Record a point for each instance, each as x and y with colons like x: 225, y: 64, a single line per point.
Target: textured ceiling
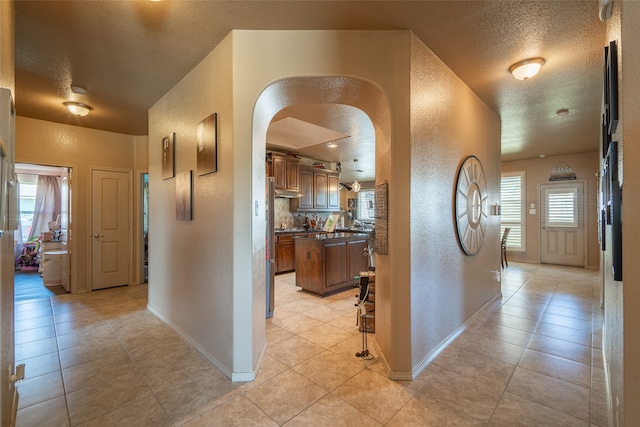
x: 128, y: 54
x: 356, y: 153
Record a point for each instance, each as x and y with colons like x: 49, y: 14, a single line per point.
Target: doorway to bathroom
x: 42, y: 241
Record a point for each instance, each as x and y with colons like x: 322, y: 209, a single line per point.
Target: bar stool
x: 503, y: 247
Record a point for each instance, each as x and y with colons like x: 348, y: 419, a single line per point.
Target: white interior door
x: 110, y: 228
x: 562, y: 223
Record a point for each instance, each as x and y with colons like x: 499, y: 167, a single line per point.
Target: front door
x: 562, y: 223
x: 109, y: 228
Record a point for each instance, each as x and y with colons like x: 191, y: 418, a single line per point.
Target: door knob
x: 97, y: 236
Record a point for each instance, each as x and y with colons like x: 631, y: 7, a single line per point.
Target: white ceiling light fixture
x: 527, y: 68
x: 562, y: 113
x: 78, y: 108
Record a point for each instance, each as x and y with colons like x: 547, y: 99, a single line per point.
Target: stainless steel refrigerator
x: 271, y: 246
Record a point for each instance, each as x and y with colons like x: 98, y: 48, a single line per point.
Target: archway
x: 351, y: 91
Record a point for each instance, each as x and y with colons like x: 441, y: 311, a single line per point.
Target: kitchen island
x: 329, y: 263
x: 285, y: 248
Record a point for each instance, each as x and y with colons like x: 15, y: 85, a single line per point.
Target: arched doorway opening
x: 340, y: 90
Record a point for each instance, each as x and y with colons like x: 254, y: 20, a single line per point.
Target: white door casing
x: 65, y: 223
x: 562, y: 222
x: 110, y: 230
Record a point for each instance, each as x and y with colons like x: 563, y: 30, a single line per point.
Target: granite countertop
x: 295, y: 230
x: 346, y: 231
x: 353, y: 230
x: 332, y: 236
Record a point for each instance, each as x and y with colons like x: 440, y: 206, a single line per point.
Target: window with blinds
x: 512, y: 209
x: 562, y: 208
x: 27, y: 196
x: 366, y: 206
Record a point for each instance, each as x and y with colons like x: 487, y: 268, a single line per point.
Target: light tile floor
x: 102, y: 359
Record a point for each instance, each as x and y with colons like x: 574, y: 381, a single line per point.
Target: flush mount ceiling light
x: 527, y: 68
x: 77, y: 108
x: 561, y: 113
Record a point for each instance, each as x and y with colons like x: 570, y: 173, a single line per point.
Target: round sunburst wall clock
x: 471, y: 205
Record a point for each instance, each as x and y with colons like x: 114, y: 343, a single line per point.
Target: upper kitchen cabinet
x: 320, y: 190
x: 284, y: 169
x: 334, y: 191
x: 306, y: 201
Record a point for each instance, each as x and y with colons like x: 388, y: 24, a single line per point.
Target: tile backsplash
x: 282, y: 215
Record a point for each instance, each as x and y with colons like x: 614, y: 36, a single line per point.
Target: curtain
x: 17, y: 235
x: 47, y: 207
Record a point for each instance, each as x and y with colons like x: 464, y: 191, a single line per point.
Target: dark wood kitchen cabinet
x: 356, y: 256
x: 333, y: 191
x: 285, y: 170
x: 329, y: 263
x: 305, y: 202
x: 320, y: 190
x: 285, y: 252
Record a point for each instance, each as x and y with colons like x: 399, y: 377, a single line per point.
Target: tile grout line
x: 64, y: 388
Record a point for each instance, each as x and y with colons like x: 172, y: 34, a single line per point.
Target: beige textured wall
x: 48, y: 143
x: 190, y: 262
x: 213, y: 286
x: 622, y: 317
x: 382, y: 61
x: 193, y: 291
x: 613, y: 331
x: 7, y: 21
x: 537, y: 171
x: 448, y: 123
x: 630, y: 108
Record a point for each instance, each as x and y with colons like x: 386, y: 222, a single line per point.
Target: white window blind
x: 561, y: 208
x: 366, y: 205
x: 512, y: 209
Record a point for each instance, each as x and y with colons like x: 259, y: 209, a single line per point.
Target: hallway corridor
x: 101, y: 359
